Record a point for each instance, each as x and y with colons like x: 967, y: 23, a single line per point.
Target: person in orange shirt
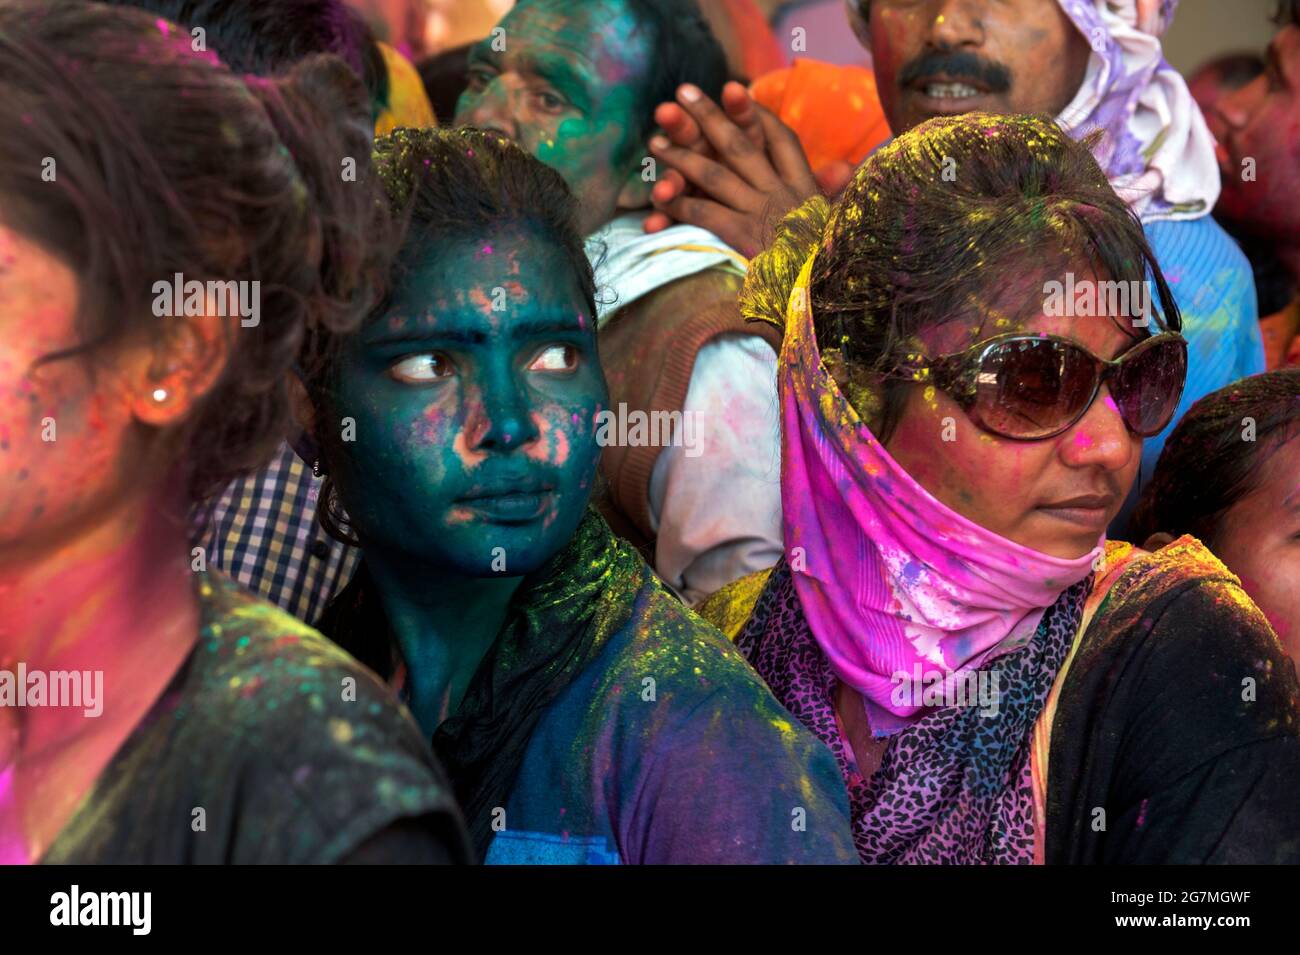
x: 408, y: 103
x: 834, y: 110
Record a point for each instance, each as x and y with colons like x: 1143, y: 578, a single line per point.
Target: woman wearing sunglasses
x: 997, y: 682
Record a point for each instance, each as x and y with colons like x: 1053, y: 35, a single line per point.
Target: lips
x: 1087, y: 501
x: 505, y: 488
x: 1091, y: 511
x: 944, y: 95
x: 509, y: 502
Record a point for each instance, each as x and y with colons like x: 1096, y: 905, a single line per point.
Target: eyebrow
x: 555, y: 70
x: 430, y: 337
x: 1292, y: 501
x: 559, y: 72
x: 518, y: 331
x: 542, y: 327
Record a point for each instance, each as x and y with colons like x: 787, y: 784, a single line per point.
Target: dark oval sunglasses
x: 1029, y: 387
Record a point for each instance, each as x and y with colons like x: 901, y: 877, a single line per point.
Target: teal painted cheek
x: 569, y: 150
x: 418, y: 454
x: 464, y: 104
x: 436, y: 430
x: 391, y: 463
x: 566, y: 446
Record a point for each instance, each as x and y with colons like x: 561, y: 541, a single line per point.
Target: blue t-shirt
x: 1212, y: 283
x: 1215, y: 290
x: 669, y: 748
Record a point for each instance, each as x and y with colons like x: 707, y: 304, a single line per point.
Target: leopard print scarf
x: 955, y: 786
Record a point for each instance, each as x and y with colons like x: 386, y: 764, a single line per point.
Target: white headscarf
x: 1157, y: 151
x: 630, y: 263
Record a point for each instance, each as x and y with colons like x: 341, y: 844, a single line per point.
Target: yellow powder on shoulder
x: 730, y: 608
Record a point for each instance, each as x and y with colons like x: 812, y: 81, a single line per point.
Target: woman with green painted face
x: 584, y: 714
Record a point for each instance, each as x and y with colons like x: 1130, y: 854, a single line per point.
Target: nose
x: 956, y: 23
x: 501, y: 420
x: 1100, y: 438
x: 490, y: 108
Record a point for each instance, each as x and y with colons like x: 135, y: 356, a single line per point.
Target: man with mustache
x: 1092, y: 64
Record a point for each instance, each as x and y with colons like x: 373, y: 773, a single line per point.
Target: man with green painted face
x: 691, y: 456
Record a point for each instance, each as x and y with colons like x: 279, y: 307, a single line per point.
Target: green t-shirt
x: 269, y: 745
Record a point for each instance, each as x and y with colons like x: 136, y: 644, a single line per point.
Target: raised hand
x: 735, y: 170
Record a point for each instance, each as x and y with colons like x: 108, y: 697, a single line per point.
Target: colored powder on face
x: 12, y: 851
x: 482, y: 301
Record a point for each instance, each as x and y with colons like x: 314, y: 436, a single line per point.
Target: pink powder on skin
x: 462, y: 449
x: 552, y: 445
x: 481, y: 300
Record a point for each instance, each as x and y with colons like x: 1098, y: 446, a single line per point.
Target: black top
x: 270, y: 745
x: 1177, y: 731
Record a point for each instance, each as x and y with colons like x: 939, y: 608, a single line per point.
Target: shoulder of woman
x: 300, y: 736
x: 267, y: 675
x: 730, y: 608
x: 1131, y: 576
x: 1183, y: 618
x: 688, y: 658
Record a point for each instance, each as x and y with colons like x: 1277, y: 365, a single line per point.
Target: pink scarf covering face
x: 892, y: 582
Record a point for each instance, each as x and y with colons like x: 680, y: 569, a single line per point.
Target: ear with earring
x: 158, y: 405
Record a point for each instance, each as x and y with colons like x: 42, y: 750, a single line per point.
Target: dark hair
x: 683, y: 49
x: 445, y: 184
x: 267, y: 37
x: 445, y: 77
x: 454, y: 183
x: 1235, y: 69
x: 449, y: 183
x: 1288, y: 13
x: 231, y: 181
x: 928, y: 230
x: 1207, y: 466
x: 1275, y: 288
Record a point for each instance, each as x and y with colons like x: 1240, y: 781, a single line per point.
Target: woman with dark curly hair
x: 583, y: 714
x: 1230, y: 476
x: 169, y: 234
x: 963, y: 408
